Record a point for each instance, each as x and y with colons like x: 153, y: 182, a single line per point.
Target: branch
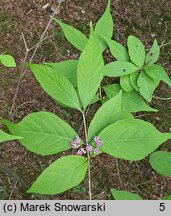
x: 23, y: 70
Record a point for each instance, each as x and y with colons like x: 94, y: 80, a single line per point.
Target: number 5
x: 162, y: 207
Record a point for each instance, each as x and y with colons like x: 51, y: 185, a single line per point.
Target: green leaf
x: 118, y: 50
x: 63, y: 174
x: 7, y: 137
x: 119, y: 68
x: 134, y: 79
x: 7, y: 60
x: 124, y: 195
x: 166, y: 197
x: 158, y: 73
x: 44, y: 133
x: 90, y: 72
x: 94, y: 100
x: 154, y: 53
x: 56, y: 85
x: 74, y: 36
x: 136, y: 51
x: 107, y: 114
x: 104, y: 26
x: 147, y: 85
x: 134, y: 102
x: 131, y: 101
x: 112, y: 90
x: 67, y: 68
x: 125, y: 83
x: 101, y: 42
x: 161, y: 162
x: 131, y: 139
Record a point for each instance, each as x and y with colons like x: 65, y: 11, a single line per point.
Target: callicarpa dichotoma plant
x: 74, y: 84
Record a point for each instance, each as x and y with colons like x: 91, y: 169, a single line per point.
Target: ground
x: 19, y: 167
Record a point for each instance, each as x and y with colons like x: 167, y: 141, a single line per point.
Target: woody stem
x: 88, y: 157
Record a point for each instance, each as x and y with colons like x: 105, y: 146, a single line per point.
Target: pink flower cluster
x: 79, y: 152
x: 98, y: 141
x: 88, y: 148
x: 75, y: 143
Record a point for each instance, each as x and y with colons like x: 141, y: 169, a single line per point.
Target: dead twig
x: 160, y: 98
x: 27, y: 102
x: 25, y: 185
x: 24, y: 70
x: 118, y: 172
x: 12, y: 191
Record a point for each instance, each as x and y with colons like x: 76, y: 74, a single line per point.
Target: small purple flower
x: 99, y: 143
x: 96, y: 151
x: 75, y: 142
x: 75, y: 146
x: 79, y: 152
x: 96, y: 139
x: 89, y: 148
x: 77, y: 139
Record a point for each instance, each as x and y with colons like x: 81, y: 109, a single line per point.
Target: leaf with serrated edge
x: 146, y: 85
x: 131, y: 139
x: 125, y: 83
x: 63, y: 174
x: 90, y: 72
x: 161, y: 162
x: 154, y: 53
x: 157, y: 72
x: 107, y: 114
x: 7, y: 137
x: 67, y: 68
x: 119, y: 68
x: 124, y: 195
x: 74, y: 36
x: 56, y: 85
x: 7, y: 60
x: 131, y: 101
x: 44, y: 133
x: 136, y: 51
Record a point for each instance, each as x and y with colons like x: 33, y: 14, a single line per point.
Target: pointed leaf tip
x: 136, y: 51
x: 74, y: 36
x: 63, y: 174
x: 44, y: 133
